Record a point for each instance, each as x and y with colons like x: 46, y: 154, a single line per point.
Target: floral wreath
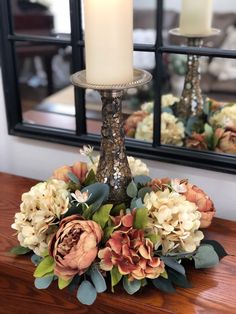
x: 81, y: 240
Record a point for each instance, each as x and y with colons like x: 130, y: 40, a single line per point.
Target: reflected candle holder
x: 113, y: 168
x: 191, y: 100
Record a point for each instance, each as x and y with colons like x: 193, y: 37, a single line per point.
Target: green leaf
x: 90, y: 179
x: 35, y: 259
x: 98, y: 194
x: 86, y: 293
x: 173, y: 264
x: 107, y: 232
x: 63, y: 283
x: 153, y: 237
x: 143, y: 191
x: 141, y: 218
x: 205, y: 257
x: 44, y: 282
x: 102, y: 215
x: 131, y: 286
x: 45, y: 266
x: 98, y: 280
x: 73, y: 178
x: 164, y: 274
x: 163, y: 284
x: 132, y: 189
x: 20, y: 250
x: 115, y: 277
x: 117, y: 208
x: 142, y: 180
x: 178, y: 279
x: 220, y: 251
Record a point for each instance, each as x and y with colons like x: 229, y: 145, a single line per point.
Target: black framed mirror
x: 41, y: 45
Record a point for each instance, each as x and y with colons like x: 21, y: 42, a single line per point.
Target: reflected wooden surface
x: 213, y: 291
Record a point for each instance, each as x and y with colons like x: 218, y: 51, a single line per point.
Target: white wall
x: 37, y: 159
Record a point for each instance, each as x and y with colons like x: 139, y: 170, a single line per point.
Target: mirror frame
x: 153, y: 151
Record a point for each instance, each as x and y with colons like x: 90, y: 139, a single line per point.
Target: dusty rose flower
x: 205, y: 205
x: 74, y: 246
x: 132, y: 122
x: 131, y: 253
x: 159, y: 184
x: 197, y: 141
x: 79, y: 169
x: 227, y: 141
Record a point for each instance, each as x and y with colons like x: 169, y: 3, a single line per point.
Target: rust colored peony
x: 132, y: 122
x: 197, y: 141
x: 131, y: 253
x: 204, y: 203
x: 74, y: 246
x: 79, y: 169
x: 226, y: 141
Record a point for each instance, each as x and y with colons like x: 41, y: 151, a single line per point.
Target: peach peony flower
x: 131, y: 253
x: 227, y: 141
x: 74, y: 246
x: 79, y: 169
x: 205, y: 205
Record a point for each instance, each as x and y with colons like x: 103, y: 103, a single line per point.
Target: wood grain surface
x: 213, y: 291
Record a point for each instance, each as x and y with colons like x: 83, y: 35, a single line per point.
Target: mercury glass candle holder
x: 191, y: 100
x: 113, y: 167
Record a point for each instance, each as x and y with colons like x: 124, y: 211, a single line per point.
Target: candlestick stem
x: 113, y: 167
x: 191, y: 101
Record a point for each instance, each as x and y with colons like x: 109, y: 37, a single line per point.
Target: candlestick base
x: 113, y: 168
x: 191, y: 100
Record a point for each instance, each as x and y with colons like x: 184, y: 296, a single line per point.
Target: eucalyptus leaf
x: 63, y: 283
x: 98, y: 194
x: 44, y: 267
x: 35, y: 259
x: 205, y: 257
x: 74, y: 210
x: 136, y: 203
x: 20, y: 250
x: 142, y: 180
x: 178, y: 279
x: 143, y: 191
x: 220, y: 251
x: 173, y: 264
x: 131, y: 286
x: 102, y: 215
x: 86, y: 293
x: 90, y: 178
x: 132, y: 189
x: 163, y: 284
x: 44, y: 282
x: 141, y: 218
x: 98, y: 280
x: 115, y: 277
x: 73, y: 178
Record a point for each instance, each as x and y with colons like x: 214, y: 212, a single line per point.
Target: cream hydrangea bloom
x: 144, y: 131
x: 172, y: 130
x: 137, y: 167
x: 168, y: 100
x: 225, y: 118
x: 45, y: 202
x: 174, y: 220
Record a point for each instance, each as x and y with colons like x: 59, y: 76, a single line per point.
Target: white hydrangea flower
x: 225, y: 118
x: 40, y: 207
x: 172, y: 130
x: 148, y: 107
x: 137, y: 167
x: 144, y: 131
x: 168, y: 100
x: 174, y: 220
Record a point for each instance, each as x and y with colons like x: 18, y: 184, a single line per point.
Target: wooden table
x: 214, y: 290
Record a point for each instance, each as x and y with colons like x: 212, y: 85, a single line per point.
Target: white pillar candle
x: 196, y: 17
x: 109, y: 41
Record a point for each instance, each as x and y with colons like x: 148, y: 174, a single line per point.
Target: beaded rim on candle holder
x: 213, y: 32
x: 140, y: 77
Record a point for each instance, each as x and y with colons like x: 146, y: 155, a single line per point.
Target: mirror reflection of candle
x: 196, y: 17
x: 109, y: 41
